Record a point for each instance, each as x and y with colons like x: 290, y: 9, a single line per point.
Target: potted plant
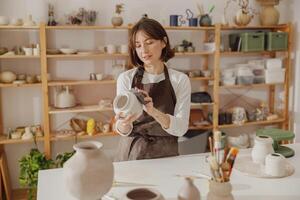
x: 117, y: 19
x: 30, y: 165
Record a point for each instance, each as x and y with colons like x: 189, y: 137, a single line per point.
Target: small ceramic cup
x: 110, y: 49
x: 28, y: 51
x: 275, y: 165
x: 99, y: 76
x: 124, y: 48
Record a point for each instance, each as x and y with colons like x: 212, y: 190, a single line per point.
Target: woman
x: 167, y: 93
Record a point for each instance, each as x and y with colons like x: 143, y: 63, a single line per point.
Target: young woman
x: 167, y: 93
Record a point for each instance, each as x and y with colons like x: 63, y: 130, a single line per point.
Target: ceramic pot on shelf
x: 269, y: 15
x: 242, y: 18
x: 88, y: 174
x: 117, y: 20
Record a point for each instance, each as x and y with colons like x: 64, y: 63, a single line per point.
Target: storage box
x: 245, y: 80
x: 273, y: 63
x: 234, y: 41
x: 274, y: 75
x: 276, y: 41
x: 252, y: 41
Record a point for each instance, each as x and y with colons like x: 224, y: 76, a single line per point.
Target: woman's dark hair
x: 154, y: 30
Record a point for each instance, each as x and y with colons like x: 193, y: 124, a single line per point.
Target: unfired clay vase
x: 269, y: 15
x: 128, y: 104
x: 219, y: 191
x: 143, y: 194
x: 89, y: 173
x: 188, y: 191
x: 117, y: 20
x: 262, y: 147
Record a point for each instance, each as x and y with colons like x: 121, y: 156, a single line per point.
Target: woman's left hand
x: 149, y: 108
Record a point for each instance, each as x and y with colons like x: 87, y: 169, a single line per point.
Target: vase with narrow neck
x: 269, y: 15
x: 89, y: 173
x: 117, y: 20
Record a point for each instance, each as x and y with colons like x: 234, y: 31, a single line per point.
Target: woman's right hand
x: 124, y: 124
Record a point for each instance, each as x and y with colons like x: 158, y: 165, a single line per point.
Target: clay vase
x: 262, y: 147
x: 242, y: 19
x: 117, y: 20
x: 188, y: 191
x: 88, y: 174
x: 269, y: 16
x: 219, y: 191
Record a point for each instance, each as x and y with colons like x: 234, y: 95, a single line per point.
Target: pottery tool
x: 217, y: 146
x: 198, y: 176
x: 231, y: 157
x: 130, y: 184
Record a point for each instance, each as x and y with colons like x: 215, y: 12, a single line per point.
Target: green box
x: 253, y: 41
x: 276, y: 41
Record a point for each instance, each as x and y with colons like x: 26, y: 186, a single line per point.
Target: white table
x: 161, y: 173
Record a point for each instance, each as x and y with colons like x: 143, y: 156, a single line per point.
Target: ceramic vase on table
x: 262, y: 147
x: 219, y: 191
x: 188, y: 191
x: 89, y: 173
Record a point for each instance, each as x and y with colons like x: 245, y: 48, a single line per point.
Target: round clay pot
x: 219, y: 191
x: 128, y: 104
x: 143, y: 193
x: 88, y: 174
x: 117, y: 20
x: 8, y: 77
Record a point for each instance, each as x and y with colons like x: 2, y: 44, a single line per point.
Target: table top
x: 161, y: 175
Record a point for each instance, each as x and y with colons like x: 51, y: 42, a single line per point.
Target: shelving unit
x: 215, y: 56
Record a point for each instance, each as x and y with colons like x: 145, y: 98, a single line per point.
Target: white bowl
x: 68, y: 51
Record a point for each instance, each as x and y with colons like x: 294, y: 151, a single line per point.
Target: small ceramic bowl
x: 68, y: 51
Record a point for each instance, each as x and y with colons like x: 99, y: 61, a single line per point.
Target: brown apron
x: 148, y: 139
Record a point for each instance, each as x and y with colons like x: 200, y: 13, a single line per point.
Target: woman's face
x: 148, y: 49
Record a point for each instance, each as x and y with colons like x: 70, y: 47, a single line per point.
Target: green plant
x: 62, y: 158
x: 30, y: 165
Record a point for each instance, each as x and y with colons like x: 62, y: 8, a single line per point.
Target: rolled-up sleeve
x: 179, y: 122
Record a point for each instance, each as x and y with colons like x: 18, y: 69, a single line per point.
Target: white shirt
x: 179, y: 122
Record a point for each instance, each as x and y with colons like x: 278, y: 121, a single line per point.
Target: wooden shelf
x: 79, y: 56
x: 200, y: 127
x: 4, y: 140
x: 253, y: 123
x: 280, y: 26
x: 78, y: 27
x: 5, y: 85
x: 249, y: 86
x: 190, y: 28
x: 80, y: 82
x: 240, y: 53
x: 9, y: 27
x: 201, y: 78
x: 19, y: 57
x: 199, y: 53
x: 200, y: 105
x: 54, y: 138
x: 78, y: 109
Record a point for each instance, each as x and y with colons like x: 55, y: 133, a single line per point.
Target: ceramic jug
x: 219, y: 191
x: 262, y: 147
x: 64, y: 98
x: 128, y: 104
x: 88, y: 174
x: 188, y: 191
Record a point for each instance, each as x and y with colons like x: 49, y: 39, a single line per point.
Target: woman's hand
x: 149, y: 108
x: 125, y: 122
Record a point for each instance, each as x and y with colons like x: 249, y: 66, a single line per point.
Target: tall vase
x: 269, y: 16
x: 89, y: 173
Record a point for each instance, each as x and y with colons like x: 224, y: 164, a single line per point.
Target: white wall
x: 23, y: 106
